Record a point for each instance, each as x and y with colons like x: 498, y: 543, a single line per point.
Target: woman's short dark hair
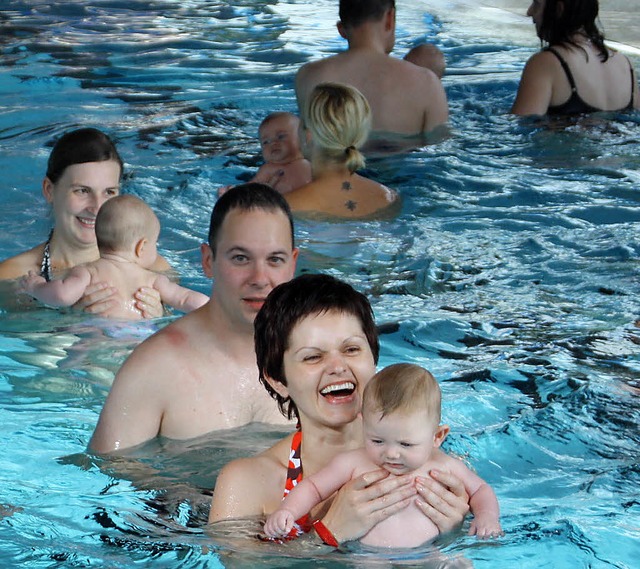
x: 288, y: 304
x: 560, y: 24
x: 79, y: 147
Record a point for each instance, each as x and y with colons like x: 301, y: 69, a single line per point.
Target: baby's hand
x: 275, y: 179
x: 30, y: 282
x: 279, y: 524
x: 485, y: 528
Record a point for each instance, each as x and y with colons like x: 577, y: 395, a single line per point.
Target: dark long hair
x: 562, y: 19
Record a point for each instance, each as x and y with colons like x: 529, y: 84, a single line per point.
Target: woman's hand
x: 97, y: 298
x: 367, y: 500
x: 148, y: 302
x: 443, y: 499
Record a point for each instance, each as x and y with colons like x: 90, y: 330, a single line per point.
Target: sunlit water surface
x: 511, y: 273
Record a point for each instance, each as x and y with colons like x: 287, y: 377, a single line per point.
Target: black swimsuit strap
x: 633, y: 83
x: 45, y: 265
x: 567, y: 71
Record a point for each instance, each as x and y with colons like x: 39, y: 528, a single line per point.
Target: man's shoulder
x: 323, y: 62
x: 412, y: 72
x: 357, y: 67
x: 321, y: 70
x: 168, y: 344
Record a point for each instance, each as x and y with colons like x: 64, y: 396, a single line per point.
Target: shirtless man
x: 199, y: 373
x: 405, y: 99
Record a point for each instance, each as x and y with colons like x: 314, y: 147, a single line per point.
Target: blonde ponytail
x: 339, y: 119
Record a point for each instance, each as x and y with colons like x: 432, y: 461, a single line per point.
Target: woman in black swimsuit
x: 576, y: 72
x: 83, y: 171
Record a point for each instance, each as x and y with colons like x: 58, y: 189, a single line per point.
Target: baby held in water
x: 401, y: 419
x: 127, y: 232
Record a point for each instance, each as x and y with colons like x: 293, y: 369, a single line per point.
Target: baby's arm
x: 307, y: 494
x: 269, y: 174
x: 482, y: 502
x: 177, y: 296
x: 62, y: 292
x: 486, y: 513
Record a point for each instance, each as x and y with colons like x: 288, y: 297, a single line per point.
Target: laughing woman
x: 576, y: 72
x: 317, y: 347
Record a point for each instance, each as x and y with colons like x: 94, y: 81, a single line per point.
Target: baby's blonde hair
x: 122, y: 221
x: 404, y: 388
x: 339, y: 118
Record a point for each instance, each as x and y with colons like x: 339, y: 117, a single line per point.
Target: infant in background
x: 285, y: 168
x: 127, y: 232
x: 401, y: 420
x: 429, y: 56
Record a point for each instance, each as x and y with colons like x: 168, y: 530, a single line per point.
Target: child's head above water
x: 127, y: 225
x: 401, y: 416
x: 429, y: 56
x: 279, y: 141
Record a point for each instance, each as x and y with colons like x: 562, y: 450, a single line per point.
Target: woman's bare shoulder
x: 21, y: 264
x: 541, y: 61
x: 305, y: 197
x: 251, y: 486
x: 273, y: 460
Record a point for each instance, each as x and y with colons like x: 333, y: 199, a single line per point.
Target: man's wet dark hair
x: 79, y: 147
x: 286, y: 306
x: 246, y: 197
x: 355, y: 12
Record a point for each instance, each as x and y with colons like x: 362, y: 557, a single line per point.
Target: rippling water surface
x: 511, y: 272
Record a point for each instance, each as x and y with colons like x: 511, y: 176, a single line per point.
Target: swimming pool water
x: 511, y: 273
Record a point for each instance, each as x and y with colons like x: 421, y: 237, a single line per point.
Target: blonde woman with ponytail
x: 336, y: 124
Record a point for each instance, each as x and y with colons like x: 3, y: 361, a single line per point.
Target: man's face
x: 253, y: 255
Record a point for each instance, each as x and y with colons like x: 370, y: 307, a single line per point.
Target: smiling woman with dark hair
x: 317, y: 348
x: 575, y: 72
x: 83, y: 172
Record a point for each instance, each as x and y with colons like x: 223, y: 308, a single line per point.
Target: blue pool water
x: 511, y: 273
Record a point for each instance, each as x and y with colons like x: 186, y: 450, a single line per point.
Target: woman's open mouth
x: 344, y: 389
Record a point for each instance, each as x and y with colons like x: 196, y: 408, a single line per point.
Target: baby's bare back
x: 127, y: 278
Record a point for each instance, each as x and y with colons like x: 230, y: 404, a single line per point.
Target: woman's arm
x: 535, y: 89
